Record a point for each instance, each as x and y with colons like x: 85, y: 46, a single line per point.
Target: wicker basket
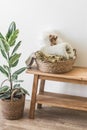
x: 60, y: 66
x: 56, y: 67
x: 13, y: 109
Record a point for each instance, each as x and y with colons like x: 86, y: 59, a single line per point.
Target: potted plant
x: 12, y: 95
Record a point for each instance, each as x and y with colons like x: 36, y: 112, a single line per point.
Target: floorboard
x: 47, y: 118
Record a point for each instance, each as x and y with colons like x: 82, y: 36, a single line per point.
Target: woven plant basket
x: 13, y: 109
x: 56, y: 67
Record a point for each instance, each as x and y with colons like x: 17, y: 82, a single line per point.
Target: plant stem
x: 10, y: 80
x: 10, y: 77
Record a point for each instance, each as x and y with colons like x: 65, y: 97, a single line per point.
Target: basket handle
x: 75, y: 52
x: 13, y: 93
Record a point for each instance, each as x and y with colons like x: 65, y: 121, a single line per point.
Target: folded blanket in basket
x: 64, y: 49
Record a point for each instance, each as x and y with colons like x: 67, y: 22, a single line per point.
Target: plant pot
x: 13, y: 109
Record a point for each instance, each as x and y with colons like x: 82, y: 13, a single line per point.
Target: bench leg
x: 41, y: 90
x: 33, y: 98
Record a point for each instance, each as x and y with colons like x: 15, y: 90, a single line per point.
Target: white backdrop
x: 69, y: 17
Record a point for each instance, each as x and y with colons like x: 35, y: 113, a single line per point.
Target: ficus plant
x: 8, y: 49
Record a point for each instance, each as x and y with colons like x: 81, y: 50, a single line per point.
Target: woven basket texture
x: 13, y: 109
x: 56, y: 67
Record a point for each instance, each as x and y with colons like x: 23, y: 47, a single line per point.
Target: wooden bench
x: 78, y: 76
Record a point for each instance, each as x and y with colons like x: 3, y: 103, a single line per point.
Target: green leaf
x: 3, y: 54
x: 6, y: 67
x: 18, y: 81
x: 14, y: 59
x: 5, y: 96
x: 15, y: 64
x: 4, y: 45
x: 13, y: 37
x: 5, y: 93
x: 11, y: 29
x: 18, y: 94
x: 14, y: 77
x: 3, y: 71
x: 1, y: 36
x: 24, y: 91
x: 16, y: 47
x: 4, y: 89
x: 19, y: 71
x: 16, y: 85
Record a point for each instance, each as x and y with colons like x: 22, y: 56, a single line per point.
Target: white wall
x: 33, y: 16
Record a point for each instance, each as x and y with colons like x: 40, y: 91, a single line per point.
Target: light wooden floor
x: 48, y: 118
